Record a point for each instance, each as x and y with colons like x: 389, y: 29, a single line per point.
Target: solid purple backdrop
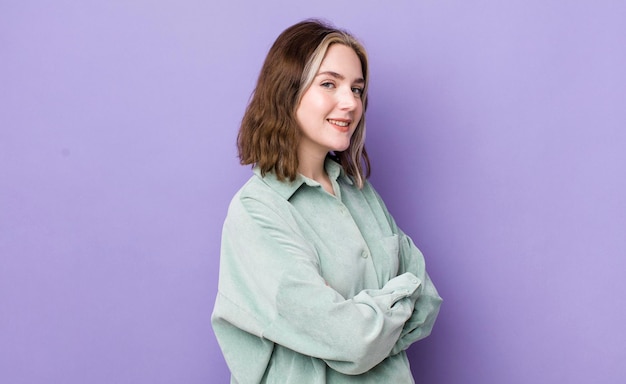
x: 497, y: 132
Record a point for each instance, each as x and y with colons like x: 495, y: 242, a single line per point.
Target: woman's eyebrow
x: 339, y: 76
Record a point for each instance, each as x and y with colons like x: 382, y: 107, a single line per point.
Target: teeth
x: 339, y: 123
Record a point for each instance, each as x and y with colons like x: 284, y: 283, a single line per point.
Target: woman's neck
x: 313, y: 168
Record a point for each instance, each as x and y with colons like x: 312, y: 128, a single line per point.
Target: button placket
x: 342, y: 209
x: 365, y: 253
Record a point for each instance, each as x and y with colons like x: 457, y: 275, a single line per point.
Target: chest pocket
x: 390, y: 257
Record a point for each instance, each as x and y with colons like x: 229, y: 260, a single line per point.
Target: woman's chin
x: 341, y: 147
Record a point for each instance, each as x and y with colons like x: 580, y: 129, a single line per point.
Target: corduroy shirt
x: 316, y: 288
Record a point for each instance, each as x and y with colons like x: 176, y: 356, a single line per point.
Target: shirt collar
x: 287, y: 188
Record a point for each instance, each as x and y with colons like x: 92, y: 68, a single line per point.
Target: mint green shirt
x: 316, y: 288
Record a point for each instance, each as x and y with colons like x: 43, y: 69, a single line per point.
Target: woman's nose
x: 347, y: 99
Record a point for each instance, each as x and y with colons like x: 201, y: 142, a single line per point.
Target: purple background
x: 497, y: 132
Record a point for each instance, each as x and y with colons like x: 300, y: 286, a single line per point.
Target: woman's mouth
x: 341, y: 125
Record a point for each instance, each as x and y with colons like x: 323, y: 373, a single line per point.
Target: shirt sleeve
x: 426, y: 307
x: 428, y: 301
x: 271, y: 288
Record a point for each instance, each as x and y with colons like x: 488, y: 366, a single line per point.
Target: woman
x: 317, y: 282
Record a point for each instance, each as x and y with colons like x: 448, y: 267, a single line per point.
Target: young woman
x: 317, y: 282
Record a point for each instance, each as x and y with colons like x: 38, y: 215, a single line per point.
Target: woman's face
x: 331, y: 108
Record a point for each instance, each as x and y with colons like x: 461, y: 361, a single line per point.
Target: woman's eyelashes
x: 358, y: 91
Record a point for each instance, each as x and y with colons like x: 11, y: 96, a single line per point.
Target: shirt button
x: 364, y: 254
x: 414, y: 281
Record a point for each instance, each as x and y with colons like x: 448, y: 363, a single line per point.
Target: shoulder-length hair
x: 269, y: 132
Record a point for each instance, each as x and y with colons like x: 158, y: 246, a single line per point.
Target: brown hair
x: 269, y: 133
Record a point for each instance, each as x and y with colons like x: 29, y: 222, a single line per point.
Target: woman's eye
x: 357, y: 91
x: 327, y: 84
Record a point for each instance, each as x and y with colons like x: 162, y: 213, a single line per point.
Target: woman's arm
x: 428, y: 302
x: 271, y: 287
x: 426, y: 307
